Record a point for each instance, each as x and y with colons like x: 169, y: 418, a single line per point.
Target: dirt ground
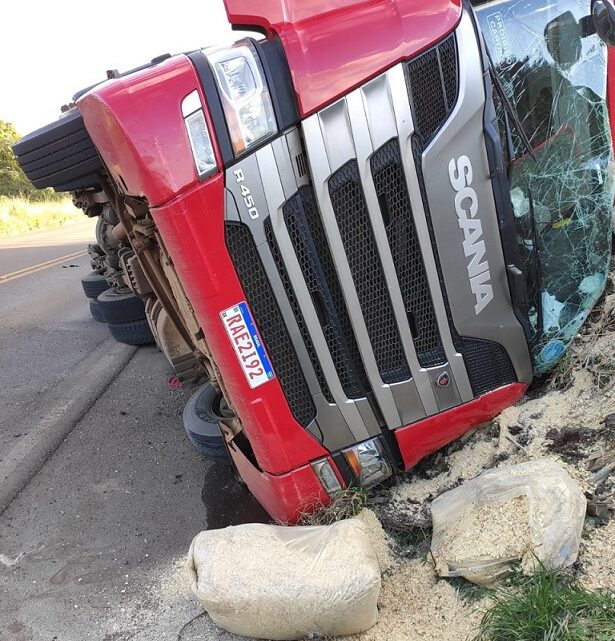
x: 569, y: 418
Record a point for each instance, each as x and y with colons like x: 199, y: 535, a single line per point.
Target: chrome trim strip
x: 329, y: 146
x: 405, y: 128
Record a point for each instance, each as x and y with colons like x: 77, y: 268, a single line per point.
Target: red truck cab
x: 336, y: 201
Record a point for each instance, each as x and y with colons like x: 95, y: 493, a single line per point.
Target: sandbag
x: 529, y: 511
x: 275, y: 582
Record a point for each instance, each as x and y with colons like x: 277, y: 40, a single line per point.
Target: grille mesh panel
x: 448, y: 63
x: 488, y: 365
x: 433, y: 87
x: 310, y: 244
x: 392, y: 192
x: 360, y: 246
x: 294, y: 303
x: 269, y: 321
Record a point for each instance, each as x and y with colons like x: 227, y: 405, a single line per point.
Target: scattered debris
x: 417, y: 606
x: 345, y: 505
x: 598, y: 559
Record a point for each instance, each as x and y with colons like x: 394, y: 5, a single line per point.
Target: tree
x: 13, y: 181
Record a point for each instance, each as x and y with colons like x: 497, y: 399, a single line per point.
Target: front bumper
x: 288, y: 496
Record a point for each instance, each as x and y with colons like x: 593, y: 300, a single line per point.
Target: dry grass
x: 345, y: 505
x: 592, y: 348
x: 19, y: 216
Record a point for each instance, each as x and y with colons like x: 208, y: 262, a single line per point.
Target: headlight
x: 368, y: 462
x: 327, y: 477
x: 198, y: 134
x: 245, y: 96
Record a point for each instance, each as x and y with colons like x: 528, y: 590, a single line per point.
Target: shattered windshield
x: 554, y: 72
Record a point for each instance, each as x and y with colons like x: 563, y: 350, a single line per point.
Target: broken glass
x: 554, y: 72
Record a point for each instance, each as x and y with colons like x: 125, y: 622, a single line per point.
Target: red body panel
x: 192, y: 227
x: 284, y: 497
x: 333, y: 46
x: 425, y: 437
x: 138, y: 128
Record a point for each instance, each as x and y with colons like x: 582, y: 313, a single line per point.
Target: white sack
x: 275, y: 582
x: 520, y: 512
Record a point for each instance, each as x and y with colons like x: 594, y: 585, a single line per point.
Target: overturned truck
x: 369, y: 229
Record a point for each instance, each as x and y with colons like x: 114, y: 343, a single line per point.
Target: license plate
x: 247, y: 344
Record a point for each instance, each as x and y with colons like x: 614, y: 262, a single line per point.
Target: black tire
x: 95, y: 311
x: 132, y: 333
x: 94, y: 285
x: 60, y: 155
x: 120, y: 308
x: 201, y: 415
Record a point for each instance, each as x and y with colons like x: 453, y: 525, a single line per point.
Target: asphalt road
x: 104, y: 491
x: 39, y: 247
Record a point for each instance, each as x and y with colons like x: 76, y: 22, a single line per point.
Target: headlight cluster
x: 367, y: 461
x: 248, y: 109
x: 245, y: 97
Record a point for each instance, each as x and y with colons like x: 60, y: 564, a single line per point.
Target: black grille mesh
x: 448, y: 62
x: 488, y: 365
x: 392, y: 192
x: 311, y: 247
x: 269, y: 321
x: 360, y: 246
x: 433, y: 87
x: 418, y: 161
x: 294, y: 303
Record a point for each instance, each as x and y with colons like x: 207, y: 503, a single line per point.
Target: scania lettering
x: 460, y: 174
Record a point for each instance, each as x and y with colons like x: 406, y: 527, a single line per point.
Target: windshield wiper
x: 509, y: 112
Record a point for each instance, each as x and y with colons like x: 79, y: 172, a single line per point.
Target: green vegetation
x: 13, y: 181
x: 18, y: 215
x: 548, y: 606
x: 24, y: 208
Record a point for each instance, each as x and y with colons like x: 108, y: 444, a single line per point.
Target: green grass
x: 548, y: 606
x: 19, y: 216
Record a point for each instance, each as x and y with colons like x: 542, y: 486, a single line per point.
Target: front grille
x: 294, y: 303
x: 311, y: 247
x: 269, y: 321
x: 488, y: 365
x: 394, y: 200
x: 433, y: 87
x: 359, y: 243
